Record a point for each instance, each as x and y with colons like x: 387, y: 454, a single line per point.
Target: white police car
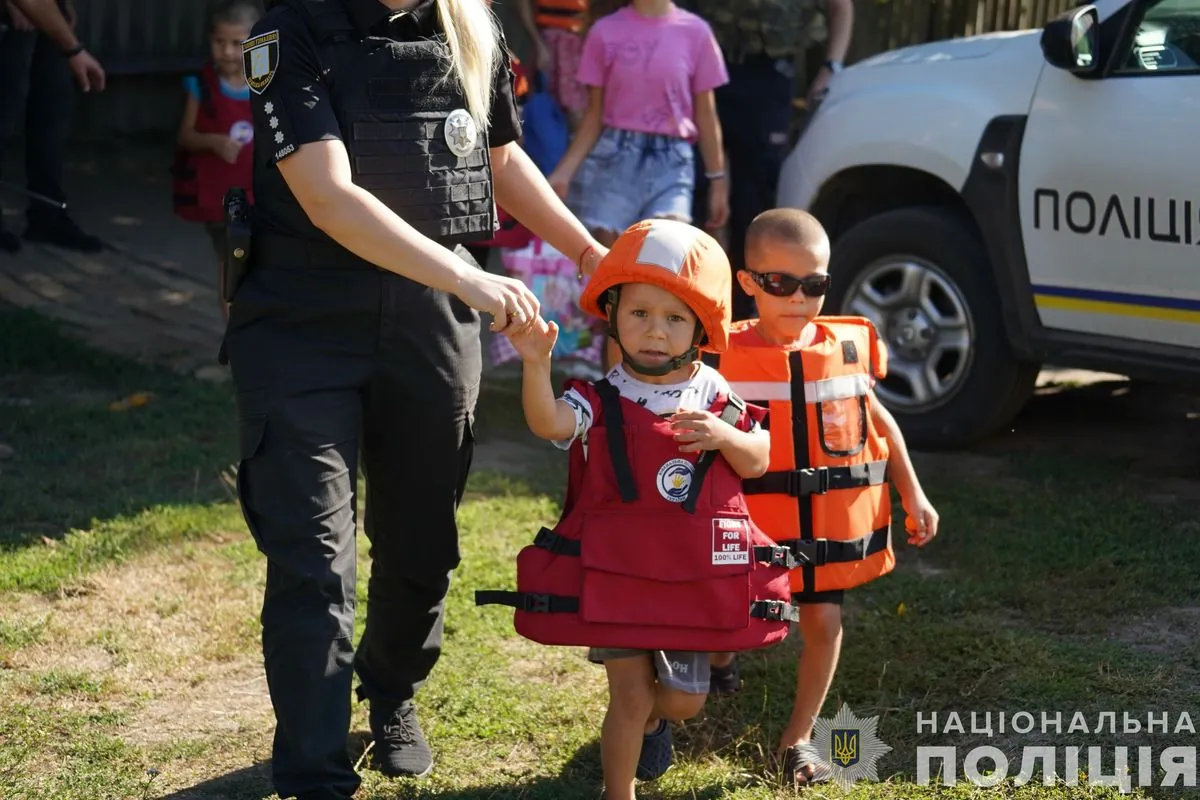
x: 1011, y: 200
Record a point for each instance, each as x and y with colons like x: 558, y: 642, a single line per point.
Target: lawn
x: 129, y: 589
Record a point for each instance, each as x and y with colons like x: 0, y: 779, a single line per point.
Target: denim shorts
x: 631, y: 176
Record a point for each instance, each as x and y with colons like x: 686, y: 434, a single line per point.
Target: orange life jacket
x: 564, y: 14
x: 826, y: 493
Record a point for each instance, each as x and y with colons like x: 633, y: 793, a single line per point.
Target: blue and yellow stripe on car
x: 1128, y: 304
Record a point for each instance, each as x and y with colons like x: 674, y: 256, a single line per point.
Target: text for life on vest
x: 731, y: 541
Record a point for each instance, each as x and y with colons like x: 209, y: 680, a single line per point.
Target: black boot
x: 61, y: 231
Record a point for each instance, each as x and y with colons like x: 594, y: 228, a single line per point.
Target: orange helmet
x: 674, y: 256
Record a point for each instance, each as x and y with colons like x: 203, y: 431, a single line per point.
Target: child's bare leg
x: 674, y: 705
x: 631, y: 702
x: 821, y: 626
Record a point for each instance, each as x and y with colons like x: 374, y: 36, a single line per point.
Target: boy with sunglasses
x: 834, y: 449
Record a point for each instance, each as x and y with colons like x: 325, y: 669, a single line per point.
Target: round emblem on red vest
x: 460, y: 132
x: 675, y: 479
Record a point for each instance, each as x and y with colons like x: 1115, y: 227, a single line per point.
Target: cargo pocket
x: 251, y: 431
x: 843, y: 425
x: 694, y: 573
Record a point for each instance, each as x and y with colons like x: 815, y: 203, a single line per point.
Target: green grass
x: 1045, y: 592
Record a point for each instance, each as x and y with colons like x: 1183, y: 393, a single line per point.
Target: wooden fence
x: 882, y: 25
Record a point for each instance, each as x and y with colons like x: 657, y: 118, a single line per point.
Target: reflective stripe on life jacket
x: 563, y: 14
x: 826, y: 494
x: 200, y: 179
x: 654, y: 550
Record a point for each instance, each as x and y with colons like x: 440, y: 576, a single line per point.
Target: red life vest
x: 200, y: 179
x: 654, y: 550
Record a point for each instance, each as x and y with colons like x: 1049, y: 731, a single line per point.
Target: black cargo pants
x: 328, y: 361
x: 755, y: 109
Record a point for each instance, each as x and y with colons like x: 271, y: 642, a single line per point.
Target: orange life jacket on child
x: 826, y: 494
x: 200, y: 180
x: 654, y: 550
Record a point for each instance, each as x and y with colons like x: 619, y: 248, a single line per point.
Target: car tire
x: 993, y: 385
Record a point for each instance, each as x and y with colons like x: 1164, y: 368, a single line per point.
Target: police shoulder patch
x: 260, y: 58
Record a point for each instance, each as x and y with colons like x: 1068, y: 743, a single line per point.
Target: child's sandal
x: 798, y: 770
x: 657, y: 753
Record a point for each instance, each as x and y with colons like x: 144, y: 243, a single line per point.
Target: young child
x: 651, y: 69
x: 834, y: 448
x: 213, y: 151
x: 662, y: 290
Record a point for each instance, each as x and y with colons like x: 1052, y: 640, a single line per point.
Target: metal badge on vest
x: 653, y: 550
x: 826, y: 495
x: 411, y: 141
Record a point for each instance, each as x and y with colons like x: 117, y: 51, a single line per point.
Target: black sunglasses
x: 781, y: 284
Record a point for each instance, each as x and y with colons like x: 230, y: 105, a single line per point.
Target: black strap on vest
x: 819, y: 480
x: 532, y: 602
x: 614, y: 425
x: 815, y: 552
x: 730, y: 415
x: 528, y: 601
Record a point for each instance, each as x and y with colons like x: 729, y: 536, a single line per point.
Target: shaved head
x: 787, y: 226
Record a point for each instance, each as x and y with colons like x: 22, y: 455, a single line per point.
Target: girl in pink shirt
x: 650, y: 68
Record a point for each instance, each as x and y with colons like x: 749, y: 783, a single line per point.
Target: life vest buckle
x: 776, y: 556
x: 802, y: 482
x: 810, y: 552
x: 536, y: 603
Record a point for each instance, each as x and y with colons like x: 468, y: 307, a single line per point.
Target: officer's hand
x: 229, y: 149
x: 535, y: 344
x: 513, y: 307
x: 699, y: 430
x: 87, y: 70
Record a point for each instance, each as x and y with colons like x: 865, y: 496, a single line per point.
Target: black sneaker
x: 62, y: 231
x: 725, y: 680
x: 657, y: 753
x: 400, y: 748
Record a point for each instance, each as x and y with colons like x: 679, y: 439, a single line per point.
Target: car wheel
x: 924, y: 278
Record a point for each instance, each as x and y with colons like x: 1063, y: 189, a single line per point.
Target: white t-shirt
x: 664, y: 399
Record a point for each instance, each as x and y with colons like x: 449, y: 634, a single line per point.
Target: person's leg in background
x: 755, y: 109
x: 16, y: 53
x: 47, y: 128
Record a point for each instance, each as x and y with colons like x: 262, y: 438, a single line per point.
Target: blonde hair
x: 473, y: 38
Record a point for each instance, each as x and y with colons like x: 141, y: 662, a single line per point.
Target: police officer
x: 385, y: 133
x: 761, y: 41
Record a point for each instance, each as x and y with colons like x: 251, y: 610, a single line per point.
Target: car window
x: 1166, y: 39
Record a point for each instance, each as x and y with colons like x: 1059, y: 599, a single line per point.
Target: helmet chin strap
x: 666, y: 367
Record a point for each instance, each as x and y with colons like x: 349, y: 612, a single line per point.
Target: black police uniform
x: 328, y: 351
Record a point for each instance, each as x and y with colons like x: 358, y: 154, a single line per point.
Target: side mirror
x: 1071, y: 42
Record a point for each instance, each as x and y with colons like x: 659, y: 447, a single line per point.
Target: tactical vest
x: 826, y: 493
x: 654, y: 550
x: 406, y: 128
x: 771, y: 28
x: 200, y: 179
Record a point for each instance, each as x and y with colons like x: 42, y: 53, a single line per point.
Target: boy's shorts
x: 682, y: 670
x: 836, y: 597
x: 631, y: 176
x: 216, y: 234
